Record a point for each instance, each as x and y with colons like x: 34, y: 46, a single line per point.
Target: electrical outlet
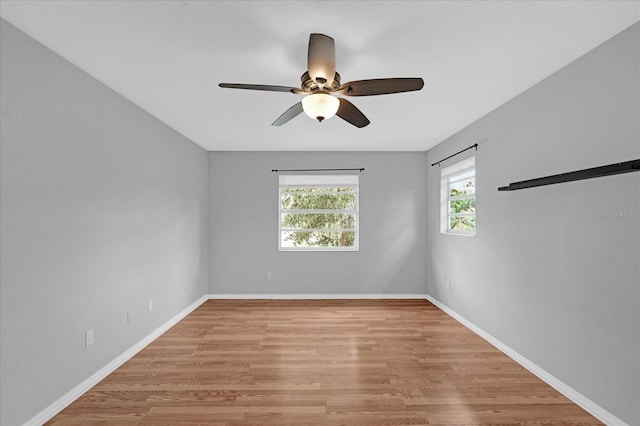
x: 150, y: 305
x: 129, y: 317
x: 269, y: 276
x: 88, y: 338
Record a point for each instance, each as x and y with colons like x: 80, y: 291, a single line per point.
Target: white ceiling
x: 169, y: 56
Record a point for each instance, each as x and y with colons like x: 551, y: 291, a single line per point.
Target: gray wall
x: 243, y: 231
x: 554, y: 272
x: 103, y: 208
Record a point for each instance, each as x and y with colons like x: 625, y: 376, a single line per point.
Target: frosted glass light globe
x: 320, y: 106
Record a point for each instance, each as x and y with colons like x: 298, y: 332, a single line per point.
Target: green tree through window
x: 458, y: 189
x: 315, y: 216
x: 462, y: 206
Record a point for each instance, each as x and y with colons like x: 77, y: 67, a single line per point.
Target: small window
x: 318, y: 212
x: 458, y: 198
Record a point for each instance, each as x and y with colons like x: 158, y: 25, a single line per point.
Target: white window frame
x: 448, y: 176
x: 315, y: 181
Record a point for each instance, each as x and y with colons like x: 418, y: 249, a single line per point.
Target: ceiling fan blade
x: 321, y: 58
x: 265, y: 87
x: 348, y: 112
x: 288, y: 114
x: 381, y: 86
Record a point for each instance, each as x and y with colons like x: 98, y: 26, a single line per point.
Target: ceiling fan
x: 321, y: 82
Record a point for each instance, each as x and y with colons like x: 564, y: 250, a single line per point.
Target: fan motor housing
x: 310, y: 85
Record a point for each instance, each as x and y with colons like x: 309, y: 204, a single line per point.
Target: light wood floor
x: 334, y: 362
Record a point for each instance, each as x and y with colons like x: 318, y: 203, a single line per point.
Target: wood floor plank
x: 321, y: 362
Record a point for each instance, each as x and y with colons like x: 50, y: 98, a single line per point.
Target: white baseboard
x: 62, y: 402
x: 319, y: 296
x: 575, y: 396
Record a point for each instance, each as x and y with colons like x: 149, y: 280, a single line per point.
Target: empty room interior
x: 320, y: 213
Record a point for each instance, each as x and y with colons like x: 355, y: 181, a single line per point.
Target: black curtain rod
x: 594, y: 172
x: 475, y: 145
x: 316, y: 170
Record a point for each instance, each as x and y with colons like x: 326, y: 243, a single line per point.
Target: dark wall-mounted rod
x: 610, y: 169
x: 475, y: 145
x: 318, y: 170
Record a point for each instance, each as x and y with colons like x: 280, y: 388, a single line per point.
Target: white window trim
x: 297, y: 181
x: 455, y: 169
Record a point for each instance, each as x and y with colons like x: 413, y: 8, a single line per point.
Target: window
x: 318, y: 212
x: 458, y: 198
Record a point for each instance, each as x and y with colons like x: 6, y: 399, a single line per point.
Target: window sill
x: 460, y: 234
x: 313, y: 249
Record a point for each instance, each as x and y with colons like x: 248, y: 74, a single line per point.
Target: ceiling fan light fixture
x: 321, y: 81
x: 320, y: 106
